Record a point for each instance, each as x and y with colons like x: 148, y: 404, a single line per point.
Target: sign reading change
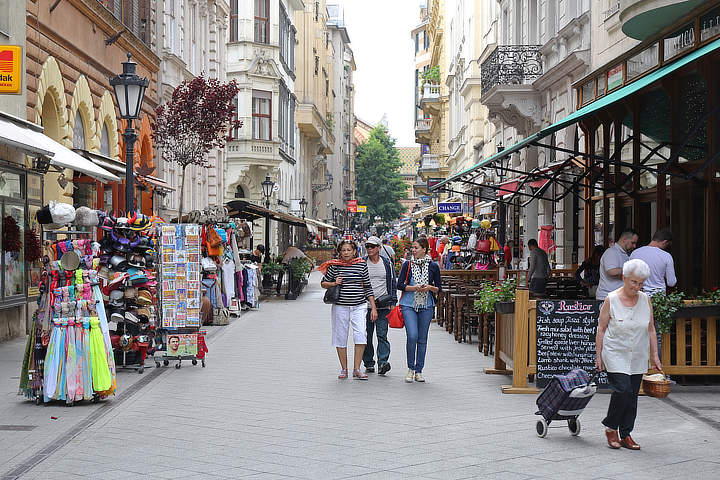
x: 566, y: 338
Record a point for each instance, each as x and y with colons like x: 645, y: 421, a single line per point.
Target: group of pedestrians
x: 368, y: 291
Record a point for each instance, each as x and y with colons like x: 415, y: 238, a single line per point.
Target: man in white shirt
x: 386, y: 250
x: 662, y: 267
x: 612, y: 261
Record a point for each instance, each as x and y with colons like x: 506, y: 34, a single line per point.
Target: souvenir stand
x: 68, y: 356
x: 179, y: 299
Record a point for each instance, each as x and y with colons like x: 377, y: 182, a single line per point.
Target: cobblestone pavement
x: 269, y: 406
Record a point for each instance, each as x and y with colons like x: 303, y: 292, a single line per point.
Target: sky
x: 379, y: 33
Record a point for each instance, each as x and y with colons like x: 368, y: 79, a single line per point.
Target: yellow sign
x: 10, y: 69
x: 362, y: 208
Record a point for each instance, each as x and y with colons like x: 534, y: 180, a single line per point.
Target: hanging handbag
x: 395, y: 317
x: 332, y: 295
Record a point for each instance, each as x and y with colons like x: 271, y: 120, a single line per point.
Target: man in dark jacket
x: 384, y: 285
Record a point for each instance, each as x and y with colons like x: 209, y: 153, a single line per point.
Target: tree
x: 197, y: 119
x: 379, y: 184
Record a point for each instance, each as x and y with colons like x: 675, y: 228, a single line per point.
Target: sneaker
x: 409, y: 376
x: 369, y: 369
x: 384, y: 368
x: 419, y: 377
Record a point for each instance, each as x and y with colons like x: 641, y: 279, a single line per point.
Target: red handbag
x: 395, y: 317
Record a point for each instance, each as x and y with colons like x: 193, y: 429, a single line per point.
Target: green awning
x: 587, y: 110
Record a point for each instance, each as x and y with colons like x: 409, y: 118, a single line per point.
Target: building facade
x: 191, y: 41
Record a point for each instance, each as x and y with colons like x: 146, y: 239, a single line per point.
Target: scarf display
x: 421, y: 276
x: 354, y: 261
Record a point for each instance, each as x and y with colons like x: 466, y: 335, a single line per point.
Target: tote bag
x: 332, y: 295
x: 395, y: 317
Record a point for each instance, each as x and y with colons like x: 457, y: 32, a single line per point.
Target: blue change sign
x: 449, y: 207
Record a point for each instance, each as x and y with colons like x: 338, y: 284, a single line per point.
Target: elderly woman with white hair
x: 626, y: 333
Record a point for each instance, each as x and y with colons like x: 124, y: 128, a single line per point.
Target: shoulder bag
x: 332, y: 295
x: 395, y: 317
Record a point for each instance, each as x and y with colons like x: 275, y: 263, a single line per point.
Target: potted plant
x: 269, y: 272
x: 299, y: 268
x: 505, y: 296
x: 664, y: 307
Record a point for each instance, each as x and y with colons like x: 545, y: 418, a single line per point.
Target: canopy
x: 320, y: 224
x: 245, y: 209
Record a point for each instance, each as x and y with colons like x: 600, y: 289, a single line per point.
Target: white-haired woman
x: 626, y: 332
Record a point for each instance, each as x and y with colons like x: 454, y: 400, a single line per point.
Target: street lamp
x: 267, y: 187
x: 303, y: 206
x: 129, y: 92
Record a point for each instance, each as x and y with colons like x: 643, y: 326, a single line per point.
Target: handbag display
x: 332, y: 295
x: 395, y: 317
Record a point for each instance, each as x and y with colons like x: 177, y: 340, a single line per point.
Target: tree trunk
x: 182, y: 195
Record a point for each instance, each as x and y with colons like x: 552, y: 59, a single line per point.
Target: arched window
x: 78, y: 132
x: 239, y: 192
x: 105, y: 141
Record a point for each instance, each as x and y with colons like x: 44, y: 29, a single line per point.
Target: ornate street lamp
x: 267, y: 188
x: 129, y: 92
x: 303, y: 206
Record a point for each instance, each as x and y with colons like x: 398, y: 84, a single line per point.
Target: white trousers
x: 342, y: 317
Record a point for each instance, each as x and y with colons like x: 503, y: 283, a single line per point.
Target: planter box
x: 697, y: 311
x: 505, y: 307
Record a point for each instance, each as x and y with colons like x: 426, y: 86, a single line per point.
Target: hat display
x: 86, y: 217
x: 62, y: 213
x: 144, y: 297
x: 43, y: 215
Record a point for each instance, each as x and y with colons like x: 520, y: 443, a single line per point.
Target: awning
x: 28, y: 137
x: 507, y: 188
x: 431, y: 210
x: 158, y: 183
x: 595, y: 106
x: 102, y: 161
x: 250, y: 211
x: 320, y: 224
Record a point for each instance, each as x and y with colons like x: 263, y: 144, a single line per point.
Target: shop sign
x: 433, y: 181
x: 10, y: 68
x: 614, y: 77
x: 352, y: 206
x: 642, y: 62
x: 449, y: 207
x: 424, y: 198
x: 362, y: 208
x: 710, y: 24
x: 680, y: 41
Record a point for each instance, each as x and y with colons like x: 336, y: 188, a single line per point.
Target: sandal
x: 358, y: 375
x: 343, y: 374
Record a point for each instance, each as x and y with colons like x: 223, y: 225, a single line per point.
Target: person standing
x: 385, y: 250
x: 625, y: 335
x: 612, y: 261
x: 508, y: 252
x: 350, y: 273
x: 420, y: 281
x: 538, y: 268
x: 384, y: 287
x: 590, y: 267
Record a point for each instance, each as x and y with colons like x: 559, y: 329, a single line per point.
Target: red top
x: 508, y: 255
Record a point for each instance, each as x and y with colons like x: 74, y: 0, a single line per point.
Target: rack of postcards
x: 179, y: 302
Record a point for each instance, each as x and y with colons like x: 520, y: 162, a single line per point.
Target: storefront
x: 648, y: 157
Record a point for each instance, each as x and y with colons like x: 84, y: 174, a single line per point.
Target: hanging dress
x: 105, y: 329
x: 71, y: 362
x: 86, y: 360
x: 101, y: 378
x: 61, y: 388
x: 80, y: 392
x: 52, y: 361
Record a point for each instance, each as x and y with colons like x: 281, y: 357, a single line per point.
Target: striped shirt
x: 355, y: 288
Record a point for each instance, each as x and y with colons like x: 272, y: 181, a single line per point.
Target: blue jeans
x: 383, y: 345
x: 417, y: 325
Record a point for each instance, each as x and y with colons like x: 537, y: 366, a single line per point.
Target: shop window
x: 84, y: 194
x: 13, y: 248
x: 11, y: 185
x: 693, y: 108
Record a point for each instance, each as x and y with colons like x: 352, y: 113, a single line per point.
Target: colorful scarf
x: 421, y: 276
x: 336, y: 261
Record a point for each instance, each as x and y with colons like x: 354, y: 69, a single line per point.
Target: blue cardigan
x: 433, y: 277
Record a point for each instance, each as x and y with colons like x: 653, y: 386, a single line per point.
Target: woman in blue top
x: 420, y: 282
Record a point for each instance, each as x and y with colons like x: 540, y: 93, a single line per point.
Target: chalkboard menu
x: 566, y: 338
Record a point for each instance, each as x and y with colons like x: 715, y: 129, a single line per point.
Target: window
x: 239, y: 192
x: 283, y: 116
x: 105, y: 141
x: 426, y: 40
x: 317, y: 64
x: 78, y: 131
x: 234, y: 20
x: 327, y: 86
x: 287, y: 42
x: 261, y: 115
x: 417, y: 42
x: 236, y: 116
x: 262, y: 21
x: 317, y: 11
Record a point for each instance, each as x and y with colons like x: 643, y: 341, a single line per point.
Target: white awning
x: 29, y: 138
x: 320, y: 224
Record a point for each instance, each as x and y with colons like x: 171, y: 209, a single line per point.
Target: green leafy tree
x: 377, y: 171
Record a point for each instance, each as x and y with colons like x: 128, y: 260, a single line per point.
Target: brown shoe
x: 629, y: 443
x: 612, y: 438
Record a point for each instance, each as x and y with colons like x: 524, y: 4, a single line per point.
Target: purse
x: 395, y: 317
x: 383, y: 301
x: 332, y: 295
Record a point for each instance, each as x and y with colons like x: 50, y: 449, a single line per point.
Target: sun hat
x: 373, y: 240
x: 144, y: 297
x: 86, y: 217
x: 117, y: 298
x: 143, y: 313
x: 62, y: 213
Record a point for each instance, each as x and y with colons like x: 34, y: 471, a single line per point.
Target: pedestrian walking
x: 625, y: 335
x: 384, y: 287
x: 350, y: 274
x: 588, y: 273
x: 538, y: 268
x: 612, y: 261
x: 420, y: 281
x: 508, y: 253
x: 385, y: 250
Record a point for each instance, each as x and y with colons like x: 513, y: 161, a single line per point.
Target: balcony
x: 254, y: 152
x: 422, y: 130
x: 429, y: 163
x: 506, y: 86
x: 431, y: 92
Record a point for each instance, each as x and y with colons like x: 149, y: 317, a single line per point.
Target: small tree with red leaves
x: 199, y: 117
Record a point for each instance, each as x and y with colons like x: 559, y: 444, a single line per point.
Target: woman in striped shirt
x: 350, y: 273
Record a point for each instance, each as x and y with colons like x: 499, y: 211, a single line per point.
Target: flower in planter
x: 664, y: 307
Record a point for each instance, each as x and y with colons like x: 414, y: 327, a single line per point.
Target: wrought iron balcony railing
x: 511, y: 65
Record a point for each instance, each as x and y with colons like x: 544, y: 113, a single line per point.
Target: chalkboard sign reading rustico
x: 566, y: 338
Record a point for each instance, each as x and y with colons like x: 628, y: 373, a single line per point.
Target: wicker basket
x: 656, y: 388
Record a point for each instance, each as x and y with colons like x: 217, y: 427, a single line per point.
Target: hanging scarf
x: 420, y: 274
x: 354, y: 261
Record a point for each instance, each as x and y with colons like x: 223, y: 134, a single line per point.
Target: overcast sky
x: 379, y: 33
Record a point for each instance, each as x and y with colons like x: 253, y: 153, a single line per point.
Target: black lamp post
x: 303, y: 206
x: 129, y: 92
x: 502, y: 215
x: 267, y: 187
